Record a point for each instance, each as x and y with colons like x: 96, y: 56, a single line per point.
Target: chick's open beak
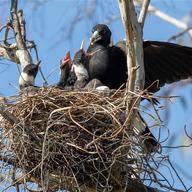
x: 66, y: 60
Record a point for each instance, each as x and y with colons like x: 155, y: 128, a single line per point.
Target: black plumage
x: 27, y: 76
x: 31, y: 69
x: 106, y: 63
x: 79, y: 76
x: 163, y: 62
x: 79, y: 68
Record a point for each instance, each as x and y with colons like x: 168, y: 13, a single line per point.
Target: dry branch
x: 143, y: 12
x: 135, y: 66
x: 134, y: 44
x: 22, y: 52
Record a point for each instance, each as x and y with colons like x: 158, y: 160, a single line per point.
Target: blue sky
x: 49, y: 24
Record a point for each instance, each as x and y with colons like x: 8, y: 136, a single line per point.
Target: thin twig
x: 174, y: 37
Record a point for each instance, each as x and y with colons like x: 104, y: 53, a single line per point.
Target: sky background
x: 51, y: 24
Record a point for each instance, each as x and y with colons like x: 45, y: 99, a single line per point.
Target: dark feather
x: 164, y: 63
x: 31, y: 69
x: 108, y: 64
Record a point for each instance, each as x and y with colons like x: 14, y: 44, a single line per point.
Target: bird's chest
x: 26, y: 79
x: 81, y: 72
x: 98, y: 64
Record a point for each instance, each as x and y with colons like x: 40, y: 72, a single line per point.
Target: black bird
x: 27, y: 76
x: 79, y: 63
x: 106, y: 63
x: 164, y: 63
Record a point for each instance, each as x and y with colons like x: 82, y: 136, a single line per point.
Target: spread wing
x: 166, y: 63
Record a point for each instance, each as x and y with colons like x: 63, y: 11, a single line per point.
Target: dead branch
x: 9, y: 54
x: 135, y: 65
x: 16, y: 25
x: 143, y: 12
x: 22, y: 52
x: 133, y: 32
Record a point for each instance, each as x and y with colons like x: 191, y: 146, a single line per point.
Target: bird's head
x: 101, y: 34
x: 81, y: 56
x: 31, y: 69
x: 65, y: 68
x: 66, y: 62
x: 80, y: 63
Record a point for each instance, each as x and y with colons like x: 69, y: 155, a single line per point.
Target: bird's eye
x: 78, y: 61
x: 102, y: 32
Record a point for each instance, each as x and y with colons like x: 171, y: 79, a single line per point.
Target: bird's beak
x: 66, y: 60
x: 82, y: 45
x: 64, y: 63
x: 95, y: 37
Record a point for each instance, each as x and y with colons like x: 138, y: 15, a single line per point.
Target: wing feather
x: 166, y: 63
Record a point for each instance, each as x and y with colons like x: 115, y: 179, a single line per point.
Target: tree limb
x: 134, y: 46
x: 22, y: 52
x: 143, y: 12
x: 16, y: 25
x: 9, y: 54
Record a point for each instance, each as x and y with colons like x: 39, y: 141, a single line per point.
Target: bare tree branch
x: 16, y: 25
x: 143, y: 12
x: 134, y: 44
x: 22, y: 52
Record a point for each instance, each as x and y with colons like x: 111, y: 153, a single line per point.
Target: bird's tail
x: 148, y: 142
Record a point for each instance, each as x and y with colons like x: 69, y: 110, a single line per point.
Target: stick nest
x: 69, y: 139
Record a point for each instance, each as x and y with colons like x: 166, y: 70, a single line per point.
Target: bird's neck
x: 81, y: 72
x: 64, y: 73
x: 96, y: 48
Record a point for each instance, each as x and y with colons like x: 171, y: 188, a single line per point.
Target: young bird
x: 27, y: 76
x: 65, y: 68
